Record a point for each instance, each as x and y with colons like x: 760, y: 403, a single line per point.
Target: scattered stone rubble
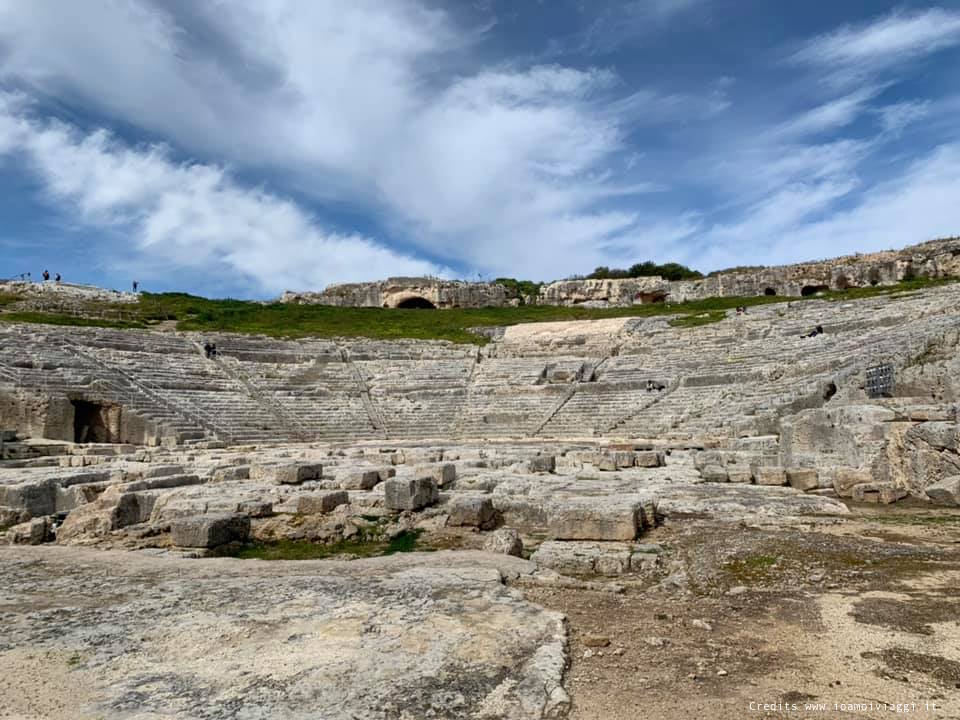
x: 203, y: 498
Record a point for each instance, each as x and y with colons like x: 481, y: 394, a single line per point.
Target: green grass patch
x: 751, y: 569
x: 296, y: 321
x: 282, y: 320
x: 365, y: 545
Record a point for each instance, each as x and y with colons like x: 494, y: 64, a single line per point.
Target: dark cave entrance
x: 416, y: 303
x: 95, y: 422
x: 808, y: 290
x: 770, y: 291
x: 648, y: 298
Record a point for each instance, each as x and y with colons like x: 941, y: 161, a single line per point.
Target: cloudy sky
x: 241, y: 148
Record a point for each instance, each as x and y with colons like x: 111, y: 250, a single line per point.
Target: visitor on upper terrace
x: 46, y: 275
x: 818, y: 330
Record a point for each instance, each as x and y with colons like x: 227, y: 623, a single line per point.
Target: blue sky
x: 244, y: 148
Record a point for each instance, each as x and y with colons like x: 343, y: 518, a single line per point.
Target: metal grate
x: 880, y: 380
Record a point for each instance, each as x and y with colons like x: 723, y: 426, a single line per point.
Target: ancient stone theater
x: 626, y: 516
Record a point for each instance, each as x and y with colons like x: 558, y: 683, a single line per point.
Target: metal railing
x: 232, y: 368
x: 373, y: 411
x: 150, y: 390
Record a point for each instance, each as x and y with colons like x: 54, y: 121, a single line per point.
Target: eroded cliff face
x: 935, y: 259
x: 405, y: 292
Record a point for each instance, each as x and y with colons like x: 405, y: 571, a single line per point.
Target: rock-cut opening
x: 94, y: 422
x: 808, y: 290
x: 416, y: 303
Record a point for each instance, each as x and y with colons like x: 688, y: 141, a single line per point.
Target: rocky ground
x: 736, y: 620
x: 776, y: 623
x: 548, y: 581
x: 100, y: 634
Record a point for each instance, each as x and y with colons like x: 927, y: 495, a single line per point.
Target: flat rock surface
x: 99, y: 634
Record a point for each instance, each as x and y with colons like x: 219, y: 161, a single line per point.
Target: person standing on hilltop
x: 136, y: 284
x: 46, y: 275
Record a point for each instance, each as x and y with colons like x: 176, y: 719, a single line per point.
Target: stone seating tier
x: 724, y: 379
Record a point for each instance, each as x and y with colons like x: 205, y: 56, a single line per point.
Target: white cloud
x: 830, y: 116
x: 894, y: 118
x: 856, y: 50
x: 192, y: 216
x: 383, y: 108
x: 627, y: 21
x: 921, y: 204
x: 363, y: 103
x: 802, y: 222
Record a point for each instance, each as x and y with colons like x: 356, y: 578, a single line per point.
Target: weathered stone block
x: 443, y: 474
x: 322, y: 502
x: 803, y: 479
x: 769, y: 476
x: 505, y: 541
x: 598, y: 519
x: 612, y: 564
x: 570, y: 558
x: 946, y: 492
x: 470, y: 510
x: 881, y: 492
x: 156, y: 471
x: 255, y: 508
x: 606, y: 462
x: 714, y: 473
x: 287, y: 474
x: 584, y: 558
x: 409, y: 493
x: 542, y: 463
x: 113, y: 510
x: 624, y: 459
x: 37, y: 497
x: 209, y: 531
x: 644, y: 561
x: 12, y: 516
x: 233, y: 472
x: 361, y: 480
x: 32, y: 532
x: 845, y: 478
x: 738, y: 474
x: 649, y: 458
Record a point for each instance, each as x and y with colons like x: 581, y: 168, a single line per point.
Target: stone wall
x: 405, y: 292
x: 36, y: 415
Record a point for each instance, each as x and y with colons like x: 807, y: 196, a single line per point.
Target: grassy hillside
x: 188, y: 312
